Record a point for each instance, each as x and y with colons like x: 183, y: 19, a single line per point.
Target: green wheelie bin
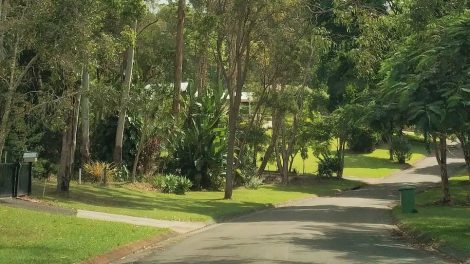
x: 407, y: 199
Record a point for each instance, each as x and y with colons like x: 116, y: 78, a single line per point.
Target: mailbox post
x: 30, y: 158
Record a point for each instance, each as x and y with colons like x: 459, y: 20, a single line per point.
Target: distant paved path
x: 351, y: 228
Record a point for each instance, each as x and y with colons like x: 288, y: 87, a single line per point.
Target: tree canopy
x: 216, y: 91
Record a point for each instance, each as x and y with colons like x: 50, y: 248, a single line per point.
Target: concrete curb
x: 38, y: 207
x: 423, y: 239
x: 121, y: 252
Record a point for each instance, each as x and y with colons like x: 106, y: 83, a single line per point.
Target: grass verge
x: 448, y: 226
x: 194, y: 206
x: 368, y: 165
x: 36, y: 237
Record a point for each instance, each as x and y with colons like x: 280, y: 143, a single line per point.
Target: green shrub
x: 96, y: 170
x: 172, y: 184
x: 121, y: 174
x: 197, y: 150
x: 363, y: 140
x: 401, y: 149
x: 217, y: 180
x: 183, y: 185
x: 157, y: 181
x: 249, y: 178
x: 253, y: 183
x: 328, y: 165
x: 44, y: 168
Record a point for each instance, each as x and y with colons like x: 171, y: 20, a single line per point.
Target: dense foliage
x: 214, y: 91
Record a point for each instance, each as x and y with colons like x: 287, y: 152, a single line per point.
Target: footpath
x: 175, y: 226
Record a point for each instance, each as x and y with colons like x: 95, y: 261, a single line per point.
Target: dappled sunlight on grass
x: 448, y: 224
x: 194, y: 206
x: 368, y: 165
x: 33, y: 237
x: 459, y: 189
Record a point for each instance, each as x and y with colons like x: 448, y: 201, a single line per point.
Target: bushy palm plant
x: 198, y: 148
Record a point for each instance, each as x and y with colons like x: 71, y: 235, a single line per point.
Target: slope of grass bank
x: 194, y: 206
x: 377, y: 164
x: 34, y: 237
x: 448, y: 225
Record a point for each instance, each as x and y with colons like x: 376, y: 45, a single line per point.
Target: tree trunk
x: 136, y: 163
x: 4, y: 126
x: 291, y: 161
x: 2, y: 2
x: 126, y: 85
x: 179, y: 58
x: 239, y: 42
x: 270, y: 150
x: 441, y: 156
x: 390, y: 148
x: 281, y: 151
x: 85, y: 114
x: 201, y: 78
x: 285, y: 167
x: 278, y: 159
x: 234, y: 110
x: 76, y: 118
x: 64, y: 174
x: 287, y: 147
x: 291, y: 144
x: 3, y: 16
x: 255, y: 154
x: 250, y: 125
x: 137, y: 157
x: 340, y: 149
x: 465, y: 143
x: 68, y: 148
x: 303, y: 166
x: 232, y: 128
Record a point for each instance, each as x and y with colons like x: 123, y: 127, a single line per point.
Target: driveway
x: 354, y: 227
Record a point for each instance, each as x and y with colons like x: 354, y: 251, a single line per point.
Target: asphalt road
x: 354, y: 227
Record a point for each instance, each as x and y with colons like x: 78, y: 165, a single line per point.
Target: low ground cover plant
x: 172, y: 184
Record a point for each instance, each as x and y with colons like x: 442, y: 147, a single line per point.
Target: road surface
x: 354, y: 227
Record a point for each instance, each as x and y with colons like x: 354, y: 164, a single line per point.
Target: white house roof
x: 184, y: 86
x: 247, y: 97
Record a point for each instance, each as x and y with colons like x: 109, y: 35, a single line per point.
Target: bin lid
x: 407, y: 187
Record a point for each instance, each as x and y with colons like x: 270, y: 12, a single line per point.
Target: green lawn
x: 194, y: 206
x: 449, y: 225
x: 371, y: 165
x: 33, y: 237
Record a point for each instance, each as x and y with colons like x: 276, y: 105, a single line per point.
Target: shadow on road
x: 353, y: 227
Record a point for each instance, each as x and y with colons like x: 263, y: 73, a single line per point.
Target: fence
x: 15, y: 179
